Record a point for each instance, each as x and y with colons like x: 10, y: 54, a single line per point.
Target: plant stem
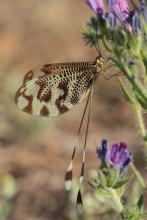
x: 143, y: 70
x: 138, y: 176
x: 141, y: 125
x: 115, y: 200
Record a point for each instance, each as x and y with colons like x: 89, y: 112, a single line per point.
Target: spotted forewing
x: 53, y: 89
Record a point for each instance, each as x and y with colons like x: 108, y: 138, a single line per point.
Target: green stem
x: 141, y: 125
x: 115, y: 200
x: 138, y: 176
x: 143, y: 70
x: 107, y: 44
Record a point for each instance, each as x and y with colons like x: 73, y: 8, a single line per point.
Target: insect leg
x: 108, y: 67
x: 115, y: 74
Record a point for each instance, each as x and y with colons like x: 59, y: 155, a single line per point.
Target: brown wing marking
x: 26, y: 101
x: 53, y: 94
x: 55, y: 68
x: 59, y: 102
x: 28, y: 76
x: 44, y: 111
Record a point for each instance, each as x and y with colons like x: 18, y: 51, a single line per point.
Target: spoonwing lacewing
x: 53, y: 89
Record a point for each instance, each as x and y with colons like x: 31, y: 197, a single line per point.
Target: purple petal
x: 110, y: 17
x: 134, y: 21
x: 127, y: 161
x: 125, y: 164
x: 102, y: 150
x: 143, y: 8
x: 96, y: 5
x: 120, y: 9
x: 118, y: 154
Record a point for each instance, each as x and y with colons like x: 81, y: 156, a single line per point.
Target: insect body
x: 53, y: 89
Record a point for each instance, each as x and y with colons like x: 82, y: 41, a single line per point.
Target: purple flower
x: 134, y: 21
x: 120, y: 9
x: 97, y: 6
x: 102, y: 150
x: 143, y: 8
x: 110, y: 17
x: 118, y: 156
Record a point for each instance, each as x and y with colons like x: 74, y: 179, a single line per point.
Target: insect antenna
x: 93, y: 41
x: 96, y: 44
x: 69, y: 172
x: 79, y: 195
x: 97, y: 41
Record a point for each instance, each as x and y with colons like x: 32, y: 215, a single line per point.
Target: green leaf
x: 120, y: 37
x: 5, y: 208
x: 9, y: 186
x: 102, y: 178
x: 108, y: 45
x: 120, y: 184
x: 133, y: 68
x: 134, y: 44
x: 142, y: 102
x: 89, y: 36
x: 140, y: 202
x: 133, y: 213
x: 127, y: 97
x: 144, y: 55
x: 123, y: 68
x: 94, y: 30
x: 113, y: 177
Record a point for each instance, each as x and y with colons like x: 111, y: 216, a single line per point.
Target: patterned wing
x: 54, y: 89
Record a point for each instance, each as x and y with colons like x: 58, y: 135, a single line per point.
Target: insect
x: 53, y: 89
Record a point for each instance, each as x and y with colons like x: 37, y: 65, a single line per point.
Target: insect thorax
x: 99, y: 63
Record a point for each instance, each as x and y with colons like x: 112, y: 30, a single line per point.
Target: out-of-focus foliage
x: 35, y: 151
x: 8, y: 190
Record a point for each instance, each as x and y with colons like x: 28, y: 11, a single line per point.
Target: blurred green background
x: 35, y: 151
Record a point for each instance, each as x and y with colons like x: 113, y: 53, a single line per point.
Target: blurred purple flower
x: 97, y: 6
x: 118, y: 155
x: 143, y: 8
x: 120, y: 9
x: 134, y: 21
x: 102, y: 150
x: 111, y: 18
